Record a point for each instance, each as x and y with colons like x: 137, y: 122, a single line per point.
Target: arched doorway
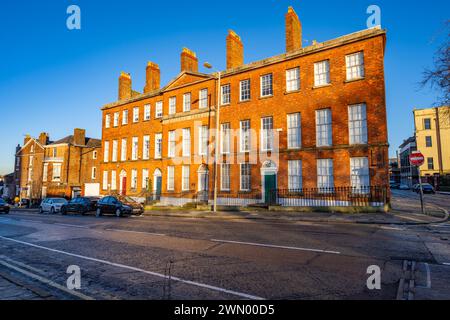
x: 157, y: 184
x: 269, y: 181
x: 123, y: 182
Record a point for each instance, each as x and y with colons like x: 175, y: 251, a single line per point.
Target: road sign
x: 416, y: 159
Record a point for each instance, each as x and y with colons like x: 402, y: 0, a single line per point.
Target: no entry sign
x: 416, y: 159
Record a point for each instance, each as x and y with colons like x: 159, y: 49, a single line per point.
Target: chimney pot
x: 189, y: 60
x: 235, y: 50
x: 293, y: 31
x: 43, y: 138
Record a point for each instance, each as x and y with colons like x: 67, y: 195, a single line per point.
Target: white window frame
x: 244, y: 134
x: 203, y: 140
x: 44, y: 172
x: 187, y: 102
x: 172, y: 142
x: 355, y: 66
x: 125, y: 117
x: 170, y: 178
x: 146, y: 147
x: 245, y: 179
x: 135, y: 114
x: 225, y: 94
x: 172, y: 105
x: 106, y: 152
x: 244, y: 90
x: 203, y: 99
x: 115, y: 147
x: 266, y: 85
x: 324, y: 128
x: 159, y: 110
x: 56, y: 174
x: 322, y: 73
x: 158, y: 145
x: 147, y: 112
x: 145, y: 179
x: 113, y: 180
x: 134, y: 179
x: 295, y: 175
x: 294, y: 132
x: 123, y: 149
x: 105, y: 180
x: 225, y: 137
x: 135, y: 148
x: 225, y: 181
x: 116, y: 119
x: 357, y: 124
x: 185, y: 178
x: 186, y: 142
x: 360, y: 174
x: 325, y: 175
x: 266, y: 134
x: 293, y: 79
x: 107, y: 121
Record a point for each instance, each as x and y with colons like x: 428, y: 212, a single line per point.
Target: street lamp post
x: 217, y: 139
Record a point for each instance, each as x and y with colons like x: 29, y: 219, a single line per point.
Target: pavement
x: 402, y: 213
x: 169, y: 257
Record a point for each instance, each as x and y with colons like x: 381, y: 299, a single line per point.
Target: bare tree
x: 438, y: 77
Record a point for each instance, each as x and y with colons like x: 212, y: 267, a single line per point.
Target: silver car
x: 52, y: 205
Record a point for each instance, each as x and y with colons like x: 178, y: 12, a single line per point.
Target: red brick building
x: 64, y: 168
x: 312, y: 117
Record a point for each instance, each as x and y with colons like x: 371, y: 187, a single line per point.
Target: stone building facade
x: 312, y: 117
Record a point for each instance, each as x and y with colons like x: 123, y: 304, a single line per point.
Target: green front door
x: 270, y: 184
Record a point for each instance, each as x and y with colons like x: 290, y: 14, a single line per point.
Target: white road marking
x: 275, y: 246
x: 446, y: 263
x: 193, y: 283
x: 139, y: 232
x: 392, y: 228
x: 23, y: 265
x: 70, y: 225
x: 46, y: 281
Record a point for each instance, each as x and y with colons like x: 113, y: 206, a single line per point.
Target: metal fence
x: 330, y: 197
x: 315, y: 197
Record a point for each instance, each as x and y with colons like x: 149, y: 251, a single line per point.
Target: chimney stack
x: 235, y: 50
x: 27, y: 138
x: 43, y: 138
x: 124, y: 86
x: 293, y: 31
x: 79, y: 137
x: 189, y: 61
x: 153, y: 77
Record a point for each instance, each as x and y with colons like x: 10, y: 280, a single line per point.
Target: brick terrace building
x: 311, y: 117
x: 64, y: 168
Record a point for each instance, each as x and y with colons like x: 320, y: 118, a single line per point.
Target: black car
x: 80, y: 205
x: 4, y: 207
x: 119, y: 205
x: 426, y: 187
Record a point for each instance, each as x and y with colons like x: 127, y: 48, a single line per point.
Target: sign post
x: 416, y: 159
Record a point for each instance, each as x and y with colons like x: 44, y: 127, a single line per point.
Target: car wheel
x: 41, y: 210
x: 52, y: 210
x: 118, y: 213
x: 63, y: 211
x: 98, y: 213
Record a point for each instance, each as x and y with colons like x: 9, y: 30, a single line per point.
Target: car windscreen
x: 126, y: 199
x: 59, y: 201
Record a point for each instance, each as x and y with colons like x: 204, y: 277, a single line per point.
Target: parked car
x: 404, y: 187
x: 4, y: 207
x: 118, y: 205
x: 394, y: 185
x: 52, y: 205
x: 80, y: 205
x: 426, y: 187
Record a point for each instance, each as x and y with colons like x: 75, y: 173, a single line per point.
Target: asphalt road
x: 178, y: 258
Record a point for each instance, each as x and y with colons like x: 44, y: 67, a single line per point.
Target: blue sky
x: 53, y: 79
